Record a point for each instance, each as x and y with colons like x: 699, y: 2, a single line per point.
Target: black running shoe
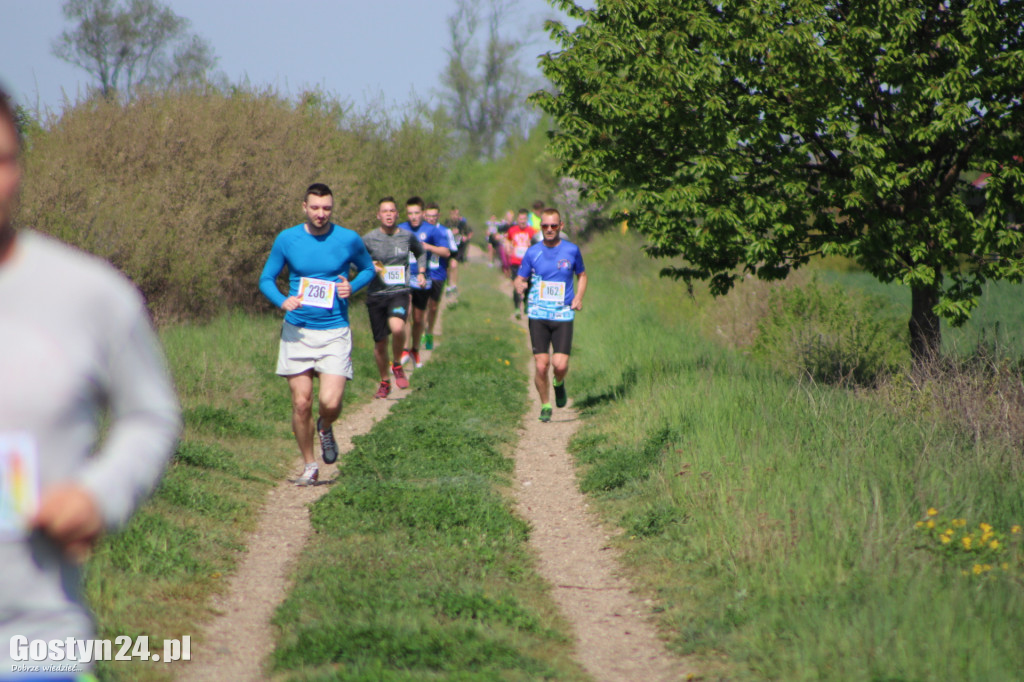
x: 328, y: 446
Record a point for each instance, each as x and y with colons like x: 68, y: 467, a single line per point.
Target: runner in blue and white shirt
x: 548, y: 270
x: 438, y: 269
x: 438, y: 246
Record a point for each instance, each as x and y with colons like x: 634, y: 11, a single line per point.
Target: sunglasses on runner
x: 549, y: 225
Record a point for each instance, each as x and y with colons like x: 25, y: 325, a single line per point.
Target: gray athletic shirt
x: 392, y: 250
x: 75, y: 343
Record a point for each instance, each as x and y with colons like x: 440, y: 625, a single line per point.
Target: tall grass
x: 775, y: 518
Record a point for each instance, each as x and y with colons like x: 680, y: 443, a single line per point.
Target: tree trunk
x: 925, y: 332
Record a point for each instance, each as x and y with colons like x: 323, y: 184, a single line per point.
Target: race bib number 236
x: 316, y: 292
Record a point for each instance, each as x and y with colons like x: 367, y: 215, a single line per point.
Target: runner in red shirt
x: 518, y: 239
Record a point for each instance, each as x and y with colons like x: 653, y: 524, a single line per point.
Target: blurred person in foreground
x: 78, y: 355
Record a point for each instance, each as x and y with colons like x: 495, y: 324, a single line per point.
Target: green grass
x: 997, y: 322
x: 774, y: 519
x: 418, y: 569
x: 155, y: 577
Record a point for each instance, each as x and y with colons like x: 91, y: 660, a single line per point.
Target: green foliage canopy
x: 748, y: 136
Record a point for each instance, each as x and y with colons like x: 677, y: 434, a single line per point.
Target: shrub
x: 830, y: 334
x: 185, y: 191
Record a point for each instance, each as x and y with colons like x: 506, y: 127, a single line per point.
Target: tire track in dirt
x: 236, y: 643
x: 616, y: 640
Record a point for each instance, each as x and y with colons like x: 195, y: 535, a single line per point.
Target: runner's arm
x: 362, y: 261
x: 268, y: 278
x: 581, y: 289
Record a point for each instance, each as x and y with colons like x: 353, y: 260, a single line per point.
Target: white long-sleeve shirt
x: 75, y: 344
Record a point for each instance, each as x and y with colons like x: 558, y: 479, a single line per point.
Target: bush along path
x: 235, y: 644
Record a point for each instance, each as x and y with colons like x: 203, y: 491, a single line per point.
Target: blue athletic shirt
x: 550, y: 269
x: 328, y: 256
x: 414, y: 267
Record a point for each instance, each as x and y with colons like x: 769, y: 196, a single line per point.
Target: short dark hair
x: 384, y: 200
x: 318, y: 189
x: 432, y: 206
x: 523, y: 211
x: 552, y: 211
x: 538, y: 206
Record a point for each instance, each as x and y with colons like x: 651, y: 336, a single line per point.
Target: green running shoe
x: 428, y: 342
x: 560, y: 397
x: 545, y: 413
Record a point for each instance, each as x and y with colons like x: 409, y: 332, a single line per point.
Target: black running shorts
x: 556, y: 335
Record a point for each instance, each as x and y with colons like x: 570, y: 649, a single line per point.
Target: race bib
x: 318, y: 293
x: 435, y: 262
x: 393, y: 275
x: 19, y: 484
x: 552, y: 292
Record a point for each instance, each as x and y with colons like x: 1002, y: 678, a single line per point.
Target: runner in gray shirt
x: 76, y: 345
x: 388, y: 299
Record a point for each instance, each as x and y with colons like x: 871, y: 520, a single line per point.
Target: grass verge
x: 785, y: 526
x: 419, y: 570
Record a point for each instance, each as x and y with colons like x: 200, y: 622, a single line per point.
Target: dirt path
x: 238, y: 640
x: 615, y: 638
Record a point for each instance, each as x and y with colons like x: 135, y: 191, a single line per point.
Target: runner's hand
x: 421, y: 280
x: 69, y: 515
x: 291, y: 303
x: 577, y: 304
x: 344, y: 288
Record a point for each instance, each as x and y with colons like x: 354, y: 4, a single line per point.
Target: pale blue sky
x: 352, y: 49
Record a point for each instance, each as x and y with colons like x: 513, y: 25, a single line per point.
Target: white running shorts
x: 325, y: 351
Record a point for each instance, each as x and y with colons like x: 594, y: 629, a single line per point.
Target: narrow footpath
x: 616, y: 639
x: 237, y: 642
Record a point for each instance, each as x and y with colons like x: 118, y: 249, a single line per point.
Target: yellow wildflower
x: 994, y: 544
x: 932, y: 511
x: 1015, y: 530
x: 944, y: 539
x: 987, y: 567
x: 977, y: 569
x: 1005, y: 566
x: 959, y: 523
x: 985, y: 528
x: 967, y: 541
x: 507, y: 362
x: 919, y: 524
x: 930, y: 524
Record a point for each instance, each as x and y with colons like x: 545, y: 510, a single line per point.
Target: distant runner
x: 437, y: 245
x: 438, y: 270
x: 388, y: 298
x: 315, y: 338
x: 547, y: 271
x: 517, y: 240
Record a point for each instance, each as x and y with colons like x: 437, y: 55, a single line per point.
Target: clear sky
x: 352, y: 49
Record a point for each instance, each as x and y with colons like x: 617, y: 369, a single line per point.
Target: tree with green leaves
x: 141, y: 43
x: 749, y: 136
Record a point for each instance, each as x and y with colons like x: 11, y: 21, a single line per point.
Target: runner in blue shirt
x: 316, y: 339
x: 438, y: 247
x: 438, y: 269
x: 547, y: 270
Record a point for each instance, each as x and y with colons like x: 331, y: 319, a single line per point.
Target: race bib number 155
x: 316, y: 292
